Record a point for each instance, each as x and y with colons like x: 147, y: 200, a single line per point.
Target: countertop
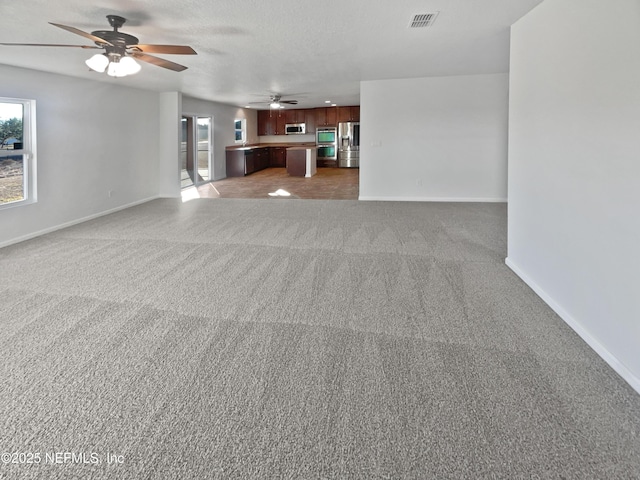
x: 264, y: 145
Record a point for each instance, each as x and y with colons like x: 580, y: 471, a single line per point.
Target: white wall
x: 224, y: 117
x: 437, y: 138
x: 574, y: 169
x: 92, y: 137
x: 169, y: 122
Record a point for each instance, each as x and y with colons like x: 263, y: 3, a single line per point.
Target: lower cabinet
x: 246, y: 162
x: 261, y: 159
x: 278, y: 157
x: 236, y: 165
x: 249, y: 162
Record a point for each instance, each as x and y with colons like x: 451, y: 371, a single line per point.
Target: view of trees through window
x: 12, y: 185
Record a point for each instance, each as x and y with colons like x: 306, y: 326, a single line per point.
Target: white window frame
x: 28, y: 151
x: 243, y: 129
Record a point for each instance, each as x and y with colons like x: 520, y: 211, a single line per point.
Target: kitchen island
x: 301, y: 161
x: 247, y: 159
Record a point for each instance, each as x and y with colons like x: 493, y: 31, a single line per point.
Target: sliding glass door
x: 195, y: 151
x: 203, y: 139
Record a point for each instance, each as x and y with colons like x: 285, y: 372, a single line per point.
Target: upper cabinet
x: 310, y: 120
x: 272, y: 122
x: 326, y: 116
x: 281, y: 121
x: 348, y: 114
x: 295, y: 116
x: 265, y: 125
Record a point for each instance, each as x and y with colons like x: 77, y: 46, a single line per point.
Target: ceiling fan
x: 120, y: 49
x: 275, y: 101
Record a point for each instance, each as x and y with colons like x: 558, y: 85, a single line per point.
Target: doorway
x: 196, y: 149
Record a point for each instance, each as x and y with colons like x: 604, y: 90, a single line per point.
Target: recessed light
x: 333, y: 104
x: 327, y: 101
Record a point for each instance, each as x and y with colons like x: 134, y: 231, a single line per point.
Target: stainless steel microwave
x: 295, y: 128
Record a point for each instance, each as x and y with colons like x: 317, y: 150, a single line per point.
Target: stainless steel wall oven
x: 327, y: 143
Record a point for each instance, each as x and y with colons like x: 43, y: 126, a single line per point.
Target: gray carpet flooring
x: 297, y: 339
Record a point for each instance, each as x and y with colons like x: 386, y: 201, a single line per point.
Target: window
x: 240, y: 130
x: 17, y: 151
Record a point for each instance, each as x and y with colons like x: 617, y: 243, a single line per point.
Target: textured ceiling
x: 248, y: 49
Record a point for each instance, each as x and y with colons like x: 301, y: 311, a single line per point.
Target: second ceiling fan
x: 276, y: 101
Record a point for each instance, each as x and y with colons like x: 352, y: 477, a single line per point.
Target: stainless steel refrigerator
x: 349, y: 144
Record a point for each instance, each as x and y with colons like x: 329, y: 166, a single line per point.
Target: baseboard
x: 575, y: 325
x: 433, y: 199
x: 73, y: 222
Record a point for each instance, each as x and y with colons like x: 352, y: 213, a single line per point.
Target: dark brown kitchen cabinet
x: 332, y: 116
x: 236, y: 163
x: 321, y: 116
x: 290, y: 116
x: 294, y: 115
x: 344, y: 114
x: 261, y: 159
x: 248, y: 161
x: 310, y: 120
x: 271, y: 122
x: 348, y: 114
x: 326, y: 116
x: 265, y: 124
x: 278, y: 157
x: 280, y: 121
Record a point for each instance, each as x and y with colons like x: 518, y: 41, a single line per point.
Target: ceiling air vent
x: 421, y: 20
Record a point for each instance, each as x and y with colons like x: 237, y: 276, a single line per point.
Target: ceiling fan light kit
x: 126, y: 66
x: 98, y: 63
x: 115, y: 65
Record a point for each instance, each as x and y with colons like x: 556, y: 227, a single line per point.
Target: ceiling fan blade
x: 169, y: 49
x: 47, y: 45
x: 290, y: 102
x: 93, y: 38
x: 160, y: 62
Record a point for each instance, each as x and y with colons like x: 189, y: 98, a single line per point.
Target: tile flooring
x: 326, y: 184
